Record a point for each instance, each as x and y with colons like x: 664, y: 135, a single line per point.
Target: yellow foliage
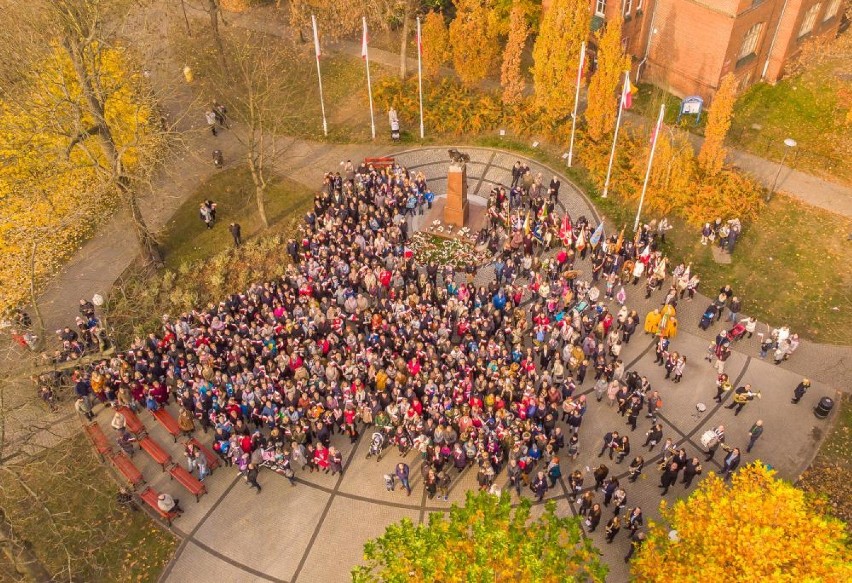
x: 473, y: 36
x: 711, y: 158
x: 556, y: 56
x: 757, y: 529
x: 511, y: 77
x: 436, y: 44
x: 604, y: 88
x: 54, y: 183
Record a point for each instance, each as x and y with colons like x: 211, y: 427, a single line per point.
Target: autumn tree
x: 511, y: 76
x: 712, y: 155
x: 474, y: 41
x: 556, y: 55
x: 484, y: 540
x: 604, y: 88
x: 755, y: 529
x: 436, y: 43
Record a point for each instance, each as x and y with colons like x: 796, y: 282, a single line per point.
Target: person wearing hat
x: 168, y: 504
x: 800, y: 390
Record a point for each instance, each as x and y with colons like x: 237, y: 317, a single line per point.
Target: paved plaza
x: 315, y: 531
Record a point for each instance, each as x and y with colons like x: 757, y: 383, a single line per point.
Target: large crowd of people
x: 469, y: 367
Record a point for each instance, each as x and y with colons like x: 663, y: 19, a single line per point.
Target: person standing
x: 211, y: 121
x: 734, y: 309
x: 594, y: 518
x: 800, y: 390
x: 717, y: 439
x: 610, y: 441
x: 690, y: 470
x: 600, y: 474
x: 539, y: 486
x: 732, y: 462
x: 636, y: 540
x: 402, y: 472
x: 754, y: 434
x: 655, y: 434
x: 669, y: 478
x: 742, y: 395
x: 236, y: 233
x: 444, y: 485
x: 635, y: 469
x: 251, y: 477
x: 612, y: 528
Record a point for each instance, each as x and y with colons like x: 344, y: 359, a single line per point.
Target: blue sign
x: 691, y: 105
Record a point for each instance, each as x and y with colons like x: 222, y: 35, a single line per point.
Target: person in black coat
x: 800, y: 390
x: 539, y: 486
x: 690, y: 470
x: 732, y: 462
x: 594, y: 517
x: 669, y: 477
x: 600, y: 474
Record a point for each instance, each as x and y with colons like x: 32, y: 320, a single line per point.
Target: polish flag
x: 364, y: 41
x: 629, y: 90
x: 316, y: 37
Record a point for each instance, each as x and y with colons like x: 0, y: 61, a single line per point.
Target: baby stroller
x: 377, y: 446
x: 737, y: 332
x: 707, y: 317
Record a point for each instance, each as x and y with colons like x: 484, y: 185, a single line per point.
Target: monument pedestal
x: 456, y: 211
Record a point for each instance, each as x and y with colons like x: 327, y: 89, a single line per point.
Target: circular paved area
x: 314, y: 532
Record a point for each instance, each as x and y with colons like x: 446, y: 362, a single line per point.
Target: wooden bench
x: 150, y: 497
x: 132, y: 422
x: 213, y: 460
x: 157, y: 453
x: 384, y: 162
x: 192, y: 484
x: 98, y: 439
x: 127, y: 469
x: 168, y: 422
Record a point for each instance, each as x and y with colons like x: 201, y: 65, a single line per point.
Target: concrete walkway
x: 314, y: 532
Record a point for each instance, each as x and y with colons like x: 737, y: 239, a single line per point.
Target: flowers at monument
x: 430, y: 248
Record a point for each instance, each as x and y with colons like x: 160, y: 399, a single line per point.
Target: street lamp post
x: 789, y: 144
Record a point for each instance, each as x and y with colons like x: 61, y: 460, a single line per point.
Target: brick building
x: 687, y: 46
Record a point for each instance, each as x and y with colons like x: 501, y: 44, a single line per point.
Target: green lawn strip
x: 830, y: 474
x: 805, y: 108
x: 105, y: 542
x: 789, y: 268
x: 186, y: 238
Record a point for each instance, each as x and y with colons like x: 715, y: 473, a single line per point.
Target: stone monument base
x: 456, y: 209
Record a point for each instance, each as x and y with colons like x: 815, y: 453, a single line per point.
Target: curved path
x: 316, y: 530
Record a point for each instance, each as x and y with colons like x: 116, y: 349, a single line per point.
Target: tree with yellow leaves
x: 758, y: 528
x: 511, y: 77
x: 484, y: 540
x: 473, y: 37
x: 711, y: 157
x: 556, y: 56
x: 436, y: 44
x: 606, y: 83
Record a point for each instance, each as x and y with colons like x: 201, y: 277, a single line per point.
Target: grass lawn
x: 830, y: 474
x: 789, y: 267
x: 75, y: 524
x: 186, y: 239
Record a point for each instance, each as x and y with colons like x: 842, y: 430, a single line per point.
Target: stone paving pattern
x: 315, y: 531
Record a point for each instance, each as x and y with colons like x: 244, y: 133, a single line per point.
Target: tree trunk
x: 259, y: 188
x: 20, y: 554
x: 213, y: 12
x: 403, y: 50
x: 146, y: 240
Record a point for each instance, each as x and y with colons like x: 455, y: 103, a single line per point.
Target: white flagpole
x: 576, y: 102
x: 420, y: 74
x: 369, y: 86
x: 319, y: 73
x: 615, y: 136
x: 657, y: 129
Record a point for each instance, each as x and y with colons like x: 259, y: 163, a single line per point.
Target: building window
x: 628, y: 6
x: 832, y: 9
x: 600, y: 8
x: 750, y: 41
x: 809, y: 19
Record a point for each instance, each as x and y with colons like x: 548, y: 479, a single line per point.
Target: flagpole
x: 650, y: 162
x: 369, y: 85
x: 319, y: 73
x: 615, y: 136
x: 576, y: 102
x: 420, y: 74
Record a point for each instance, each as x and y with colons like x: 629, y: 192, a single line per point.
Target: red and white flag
x: 316, y: 37
x: 629, y: 90
x: 364, y: 40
